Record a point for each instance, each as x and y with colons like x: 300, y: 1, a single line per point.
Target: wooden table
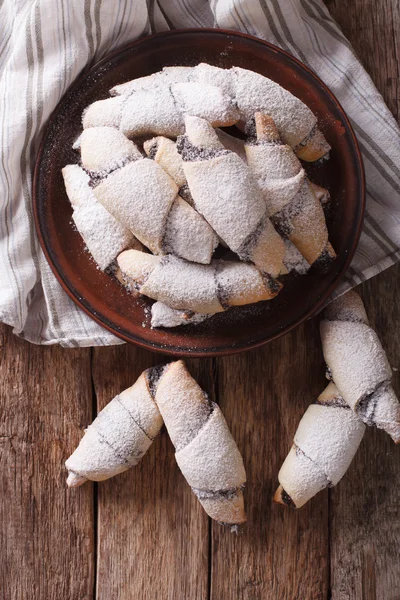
x: 143, y: 534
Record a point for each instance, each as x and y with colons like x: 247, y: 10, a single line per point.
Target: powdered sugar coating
x: 136, y: 267
x: 254, y: 92
x: 140, y: 195
x: 251, y: 92
x: 356, y: 358
x: 211, y: 75
x: 165, y: 77
x: 211, y: 460
x: 278, y: 173
x: 329, y: 436
x: 201, y: 134
x: 165, y: 153
x: 205, y: 101
x: 190, y: 286
x: 104, y: 149
x: 325, y: 443
x: 359, y: 365
x: 103, y: 113
x: 205, y: 450
x: 294, y: 261
x: 300, y: 478
x: 119, y: 436
x: 232, y: 143
x: 165, y: 316
x: 152, y: 112
x: 183, y: 285
x: 187, y: 234
x: 238, y: 283
x: 226, y: 196
x: 161, y: 111
x: 103, y: 235
x: 183, y: 403
x: 77, y: 186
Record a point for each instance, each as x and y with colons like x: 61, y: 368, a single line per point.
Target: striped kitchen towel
x: 45, y: 44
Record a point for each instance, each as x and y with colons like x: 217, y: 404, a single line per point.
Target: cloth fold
x: 46, y: 44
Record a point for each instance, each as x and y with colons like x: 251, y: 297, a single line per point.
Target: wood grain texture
x: 46, y: 531
x: 281, y: 553
x: 364, y: 507
x: 153, y: 535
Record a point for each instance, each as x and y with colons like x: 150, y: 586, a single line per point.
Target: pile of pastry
x: 159, y: 187
x: 324, y: 444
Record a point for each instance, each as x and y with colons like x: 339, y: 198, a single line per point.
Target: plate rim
x: 174, y: 350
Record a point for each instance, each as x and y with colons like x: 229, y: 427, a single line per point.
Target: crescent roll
x: 206, y: 289
x: 119, y: 436
x: 206, y: 452
x: 103, y: 235
x: 164, y: 151
x: 324, y: 445
x: 161, y: 110
x: 228, y: 198
x: 291, y: 202
x: 358, y: 364
x: 140, y: 195
x: 252, y: 92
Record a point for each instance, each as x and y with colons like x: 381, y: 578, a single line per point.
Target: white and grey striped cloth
x: 45, y: 44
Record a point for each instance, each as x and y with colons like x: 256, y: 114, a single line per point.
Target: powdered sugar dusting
x: 325, y: 443
x: 294, y: 261
x: 359, y: 365
x: 153, y: 112
x: 249, y: 91
x: 103, y: 235
x: 164, y: 316
x: 104, y: 149
x: 103, y: 113
x: 165, y: 153
x: 188, y: 235
x: 226, y: 196
x: 254, y: 92
x: 205, y: 101
x: 140, y: 195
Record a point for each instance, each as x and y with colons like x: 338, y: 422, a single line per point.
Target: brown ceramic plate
x: 101, y: 296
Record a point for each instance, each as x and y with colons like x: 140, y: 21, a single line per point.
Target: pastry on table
x: 119, y: 436
x: 206, y: 452
x: 104, y: 236
x: 291, y: 202
x: 141, y: 196
x: 161, y: 111
x: 358, y: 364
x: 251, y: 92
x: 324, y: 445
x: 224, y: 192
x: 206, y: 289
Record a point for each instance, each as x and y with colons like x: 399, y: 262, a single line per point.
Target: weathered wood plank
x: 281, y: 553
x: 152, y: 532
x: 364, y: 508
x: 364, y: 513
x: 46, y: 533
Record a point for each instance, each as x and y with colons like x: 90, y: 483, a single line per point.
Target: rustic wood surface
x: 143, y: 535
